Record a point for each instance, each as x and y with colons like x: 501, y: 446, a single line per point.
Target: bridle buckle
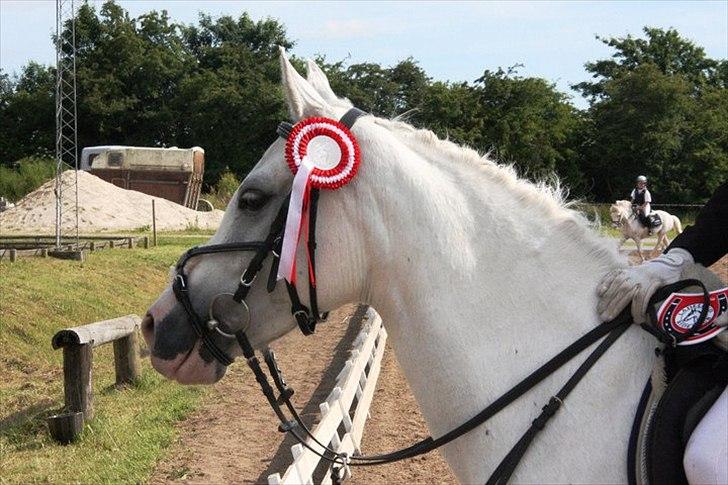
x: 276, y: 244
x: 304, y: 314
x: 247, y: 284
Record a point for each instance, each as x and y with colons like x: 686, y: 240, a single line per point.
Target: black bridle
x: 307, y: 318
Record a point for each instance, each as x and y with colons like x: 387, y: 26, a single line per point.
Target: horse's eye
x: 253, y: 200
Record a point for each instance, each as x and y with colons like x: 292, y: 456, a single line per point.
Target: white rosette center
x: 324, y: 152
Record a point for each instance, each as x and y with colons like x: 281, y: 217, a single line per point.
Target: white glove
x: 638, y: 284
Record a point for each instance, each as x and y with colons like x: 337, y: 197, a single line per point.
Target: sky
x: 453, y: 41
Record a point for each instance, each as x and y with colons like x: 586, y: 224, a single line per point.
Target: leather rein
x: 215, y: 328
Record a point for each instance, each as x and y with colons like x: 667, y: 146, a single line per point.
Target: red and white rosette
x: 322, y: 153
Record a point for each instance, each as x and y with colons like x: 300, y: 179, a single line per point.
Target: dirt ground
x: 720, y: 268
x: 233, y: 438
x: 395, y: 423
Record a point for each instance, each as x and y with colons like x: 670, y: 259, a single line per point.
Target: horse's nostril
x: 147, y: 326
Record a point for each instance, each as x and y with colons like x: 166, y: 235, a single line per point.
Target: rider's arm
x: 707, y: 239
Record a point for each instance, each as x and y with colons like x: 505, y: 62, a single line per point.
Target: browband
x: 284, y: 128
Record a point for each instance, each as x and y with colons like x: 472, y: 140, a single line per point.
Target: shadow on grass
x: 22, y: 429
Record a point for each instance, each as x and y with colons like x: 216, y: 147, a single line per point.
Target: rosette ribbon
x: 322, y: 154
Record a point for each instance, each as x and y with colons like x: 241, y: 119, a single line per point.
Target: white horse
x: 626, y: 220
x: 441, y: 242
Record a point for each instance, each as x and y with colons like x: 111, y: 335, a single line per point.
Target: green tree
x: 452, y: 111
x: 384, y: 91
x: 705, y: 160
x: 128, y: 73
x: 522, y: 120
x: 639, y: 127
x: 670, y: 53
x: 528, y: 122
x: 148, y: 81
x: 657, y: 108
x: 231, y: 101
x: 27, y: 113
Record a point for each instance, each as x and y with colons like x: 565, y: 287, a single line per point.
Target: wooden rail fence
x: 78, y: 344
x: 346, y: 407
x: 44, y: 246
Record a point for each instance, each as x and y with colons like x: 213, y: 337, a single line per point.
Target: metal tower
x: 66, y: 188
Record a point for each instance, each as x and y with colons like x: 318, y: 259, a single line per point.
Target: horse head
x: 177, y: 350
x: 620, y: 212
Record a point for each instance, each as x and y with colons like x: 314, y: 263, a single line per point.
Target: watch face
x: 688, y: 316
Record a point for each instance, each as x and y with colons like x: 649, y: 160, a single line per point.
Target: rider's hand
x: 638, y: 284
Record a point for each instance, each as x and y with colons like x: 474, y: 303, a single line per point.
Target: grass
x: 132, y: 426
x: 27, y: 175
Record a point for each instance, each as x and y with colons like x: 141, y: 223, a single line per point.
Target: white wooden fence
x: 357, y: 380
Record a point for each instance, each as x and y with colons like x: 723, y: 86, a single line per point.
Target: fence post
x: 13, y: 255
x: 65, y: 428
x: 154, y: 225
x: 145, y: 242
x: 111, y: 244
x: 77, y: 388
x: 92, y: 246
x: 126, y: 359
x: 130, y: 242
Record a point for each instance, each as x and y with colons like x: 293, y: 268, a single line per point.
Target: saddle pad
x: 655, y: 220
x: 679, y: 392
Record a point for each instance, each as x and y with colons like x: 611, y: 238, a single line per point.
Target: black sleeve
x: 707, y: 240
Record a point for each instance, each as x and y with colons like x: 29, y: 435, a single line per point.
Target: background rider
x: 641, y: 199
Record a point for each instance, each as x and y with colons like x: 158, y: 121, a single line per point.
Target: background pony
x: 625, y: 219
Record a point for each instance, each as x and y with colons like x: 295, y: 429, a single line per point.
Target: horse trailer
x: 171, y: 173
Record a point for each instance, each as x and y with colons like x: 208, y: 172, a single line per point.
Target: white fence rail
x: 355, y: 382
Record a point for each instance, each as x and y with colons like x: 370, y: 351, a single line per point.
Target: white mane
x: 546, y: 200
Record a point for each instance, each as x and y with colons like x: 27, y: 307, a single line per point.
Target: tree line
x: 658, y: 106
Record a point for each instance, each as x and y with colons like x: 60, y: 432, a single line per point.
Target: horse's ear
x: 320, y: 82
x: 303, y: 100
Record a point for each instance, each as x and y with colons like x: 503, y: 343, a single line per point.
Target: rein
x: 211, y: 330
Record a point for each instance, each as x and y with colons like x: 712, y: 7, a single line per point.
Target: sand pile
x: 101, y: 207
